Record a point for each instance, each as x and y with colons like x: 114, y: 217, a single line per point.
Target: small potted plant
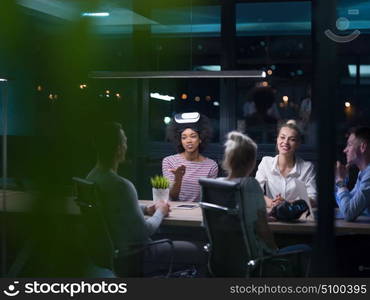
x: 160, y: 188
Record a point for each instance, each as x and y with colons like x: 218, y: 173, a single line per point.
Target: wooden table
x: 193, y: 218
x: 23, y: 202
x: 181, y: 217
x: 17, y: 201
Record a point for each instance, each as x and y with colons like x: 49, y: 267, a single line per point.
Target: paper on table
x: 302, y: 192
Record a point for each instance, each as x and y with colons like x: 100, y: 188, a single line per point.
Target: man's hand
x: 150, y: 209
x: 164, y: 207
x: 179, y: 172
x: 341, y: 172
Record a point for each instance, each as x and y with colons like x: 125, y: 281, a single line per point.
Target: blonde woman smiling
x: 279, y: 175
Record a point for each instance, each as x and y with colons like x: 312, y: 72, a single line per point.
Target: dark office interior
x: 64, y: 71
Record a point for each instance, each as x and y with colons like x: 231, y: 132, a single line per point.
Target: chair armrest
x: 82, y: 204
x: 207, y: 205
x: 140, y: 247
x: 278, y: 257
x: 161, y: 241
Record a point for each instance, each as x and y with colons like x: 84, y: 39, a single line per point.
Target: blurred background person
x: 262, y: 110
x: 305, y: 108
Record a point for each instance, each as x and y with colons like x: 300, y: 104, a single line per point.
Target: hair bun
x: 235, y: 136
x: 291, y: 122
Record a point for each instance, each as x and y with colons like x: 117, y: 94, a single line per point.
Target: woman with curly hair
x: 185, y: 168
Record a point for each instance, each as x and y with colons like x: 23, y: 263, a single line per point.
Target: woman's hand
x: 179, y: 172
x: 175, y: 188
x: 277, y: 200
x: 268, y: 201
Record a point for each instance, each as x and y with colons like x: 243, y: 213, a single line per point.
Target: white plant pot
x: 161, y: 194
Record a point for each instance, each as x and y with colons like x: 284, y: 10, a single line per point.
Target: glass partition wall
x: 313, y: 76
x: 3, y: 169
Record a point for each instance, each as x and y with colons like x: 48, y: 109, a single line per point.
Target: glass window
x: 170, y: 96
x: 185, y: 37
x: 353, y: 67
x: 275, y: 37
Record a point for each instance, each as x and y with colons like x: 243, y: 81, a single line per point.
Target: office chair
x: 98, y: 243
x: 232, y: 250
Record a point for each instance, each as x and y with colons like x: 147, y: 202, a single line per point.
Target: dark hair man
x: 121, y: 208
x: 357, y: 201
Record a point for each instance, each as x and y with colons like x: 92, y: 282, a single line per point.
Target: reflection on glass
x: 190, y: 95
x: 262, y: 107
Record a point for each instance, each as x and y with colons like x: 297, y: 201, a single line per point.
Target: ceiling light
x: 95, y: 14
x: 166, y: 120
x: 180, y: 74
x: 208, y: 68
x: 161, y: 97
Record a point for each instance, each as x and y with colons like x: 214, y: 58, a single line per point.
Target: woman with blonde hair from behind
x: 239, y: 162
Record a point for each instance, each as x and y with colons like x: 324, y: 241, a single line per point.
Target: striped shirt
x: 190, y: 188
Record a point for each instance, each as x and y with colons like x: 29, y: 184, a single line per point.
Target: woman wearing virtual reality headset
x: 190, y: 132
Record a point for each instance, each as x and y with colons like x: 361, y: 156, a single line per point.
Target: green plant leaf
x: 159, y: 182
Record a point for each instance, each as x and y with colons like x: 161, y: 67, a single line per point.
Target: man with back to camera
x: 357, y: 201
x: 123, y: 213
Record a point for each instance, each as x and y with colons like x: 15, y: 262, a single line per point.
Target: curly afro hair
x: 203, y: 127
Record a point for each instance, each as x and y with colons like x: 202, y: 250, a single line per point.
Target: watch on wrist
x: 340, y: 184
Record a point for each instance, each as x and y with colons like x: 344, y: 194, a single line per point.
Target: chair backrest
x: 223, y: 221
x: 98, y: 243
